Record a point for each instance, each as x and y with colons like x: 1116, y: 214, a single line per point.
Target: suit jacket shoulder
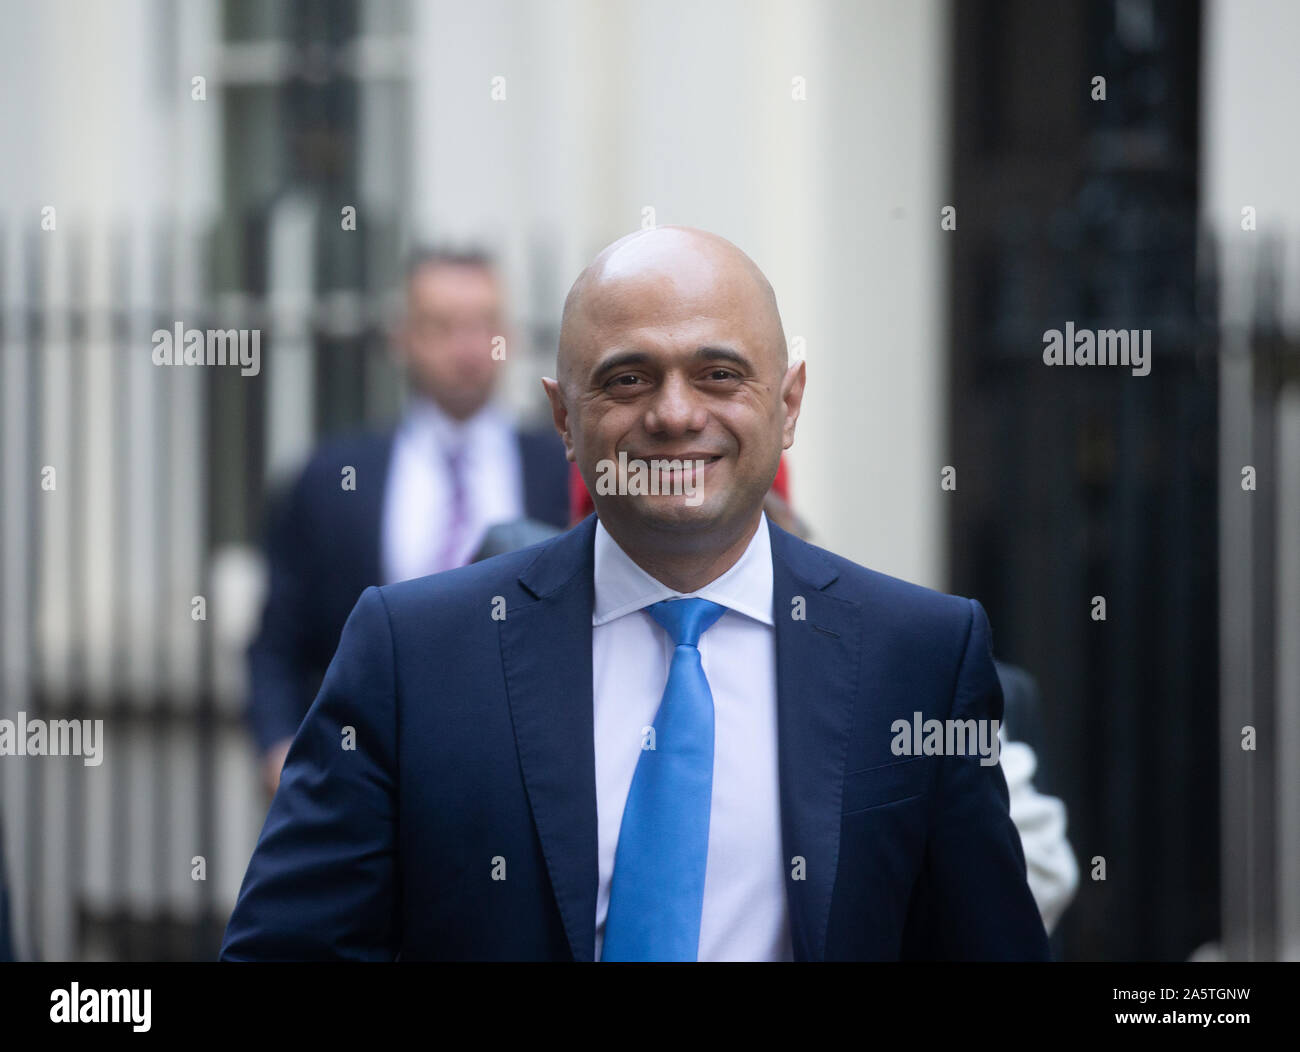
x: 453, y: 593
x: 907, y: 613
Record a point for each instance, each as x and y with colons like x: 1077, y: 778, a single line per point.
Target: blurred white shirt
x: 1050, y: 865
x: 418, y: 494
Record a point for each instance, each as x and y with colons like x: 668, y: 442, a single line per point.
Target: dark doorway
x: 1085, y: 481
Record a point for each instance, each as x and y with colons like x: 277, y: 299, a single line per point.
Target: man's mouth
x: 685, y: 458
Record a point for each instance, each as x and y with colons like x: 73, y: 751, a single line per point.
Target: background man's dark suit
x: 478, y: 732
x: 324, y: 550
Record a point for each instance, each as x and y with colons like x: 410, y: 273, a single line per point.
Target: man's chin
x: 673, y: 512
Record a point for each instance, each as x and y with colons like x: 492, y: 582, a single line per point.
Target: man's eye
x: 626, y: 380
x: 721, y: 374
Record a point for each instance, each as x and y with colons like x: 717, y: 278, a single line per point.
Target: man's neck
x: 454, y: 416
x: 689, y: 571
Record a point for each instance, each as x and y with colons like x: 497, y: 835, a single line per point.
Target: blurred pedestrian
x: 413, y: 500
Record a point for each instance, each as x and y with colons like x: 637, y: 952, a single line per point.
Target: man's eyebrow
x: 619, y: 360
x: 625, y: 359
x: 726, y: 354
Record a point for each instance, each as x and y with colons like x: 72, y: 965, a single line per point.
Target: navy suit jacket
x: 323, y: 550
x: 474, y: 748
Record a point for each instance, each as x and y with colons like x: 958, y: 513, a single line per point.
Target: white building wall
x: 1250, y: 158
x: 99, y: 124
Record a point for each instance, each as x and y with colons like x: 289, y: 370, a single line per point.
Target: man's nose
x: 675, y: 408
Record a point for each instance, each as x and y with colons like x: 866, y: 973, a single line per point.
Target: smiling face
x: 672, y: 349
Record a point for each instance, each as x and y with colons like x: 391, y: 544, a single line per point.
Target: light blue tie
x: 656, y: 894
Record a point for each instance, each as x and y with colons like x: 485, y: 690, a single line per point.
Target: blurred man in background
x: 417, y: 500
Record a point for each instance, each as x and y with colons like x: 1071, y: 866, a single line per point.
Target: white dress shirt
x: 418, y: 495
x: 745, y: 916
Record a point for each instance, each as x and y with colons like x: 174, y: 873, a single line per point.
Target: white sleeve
x: 1051, y: 869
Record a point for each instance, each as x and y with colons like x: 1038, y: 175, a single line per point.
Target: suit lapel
x: 817, y: 660
x: 546, y: 655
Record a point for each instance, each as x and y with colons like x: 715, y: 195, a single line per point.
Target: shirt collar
x: 623, y: 587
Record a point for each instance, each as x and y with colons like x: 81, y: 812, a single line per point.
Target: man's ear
x: 792, y: 396
x: 559, y: 414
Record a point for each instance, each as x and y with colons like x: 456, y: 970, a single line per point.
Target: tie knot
x: 685, y: 620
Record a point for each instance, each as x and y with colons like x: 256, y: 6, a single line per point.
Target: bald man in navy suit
x: 670, y: 733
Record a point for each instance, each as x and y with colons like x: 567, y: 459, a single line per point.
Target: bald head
x: 672, y: 352
x: 676, y: 263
